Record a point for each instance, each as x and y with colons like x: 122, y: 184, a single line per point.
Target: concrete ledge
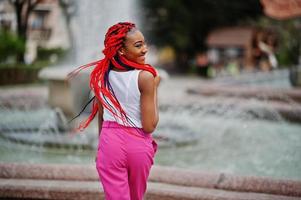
x: 49, y: 189
x: 159, y: 174
x: 48, y: 171
x: 225, y: 181
x: 174, y: 192
x: 91, y: 190
x: 249, y: 91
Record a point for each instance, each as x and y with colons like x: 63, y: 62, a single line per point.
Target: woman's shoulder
x: 145, y: 75
x: 145, y: 79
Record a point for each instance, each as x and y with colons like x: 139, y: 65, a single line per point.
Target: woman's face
x: 134, y: 48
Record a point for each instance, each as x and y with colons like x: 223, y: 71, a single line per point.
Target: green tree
x: 23, y: 9
x: 290, y: 42
x: 184, y: 24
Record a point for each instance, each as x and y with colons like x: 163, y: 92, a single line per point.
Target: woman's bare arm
x: 148, y: 85
x: 100, y: 116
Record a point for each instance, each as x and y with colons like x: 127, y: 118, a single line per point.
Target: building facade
x: 46, y: 26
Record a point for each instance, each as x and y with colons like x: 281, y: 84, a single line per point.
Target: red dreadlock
x: 114, y: 39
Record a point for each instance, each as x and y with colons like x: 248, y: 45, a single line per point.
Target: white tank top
x: 126, y: 90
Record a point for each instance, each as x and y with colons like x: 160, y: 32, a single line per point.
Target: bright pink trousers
x: 124, y: 158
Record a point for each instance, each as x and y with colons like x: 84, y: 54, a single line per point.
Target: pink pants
x: 124, y: 160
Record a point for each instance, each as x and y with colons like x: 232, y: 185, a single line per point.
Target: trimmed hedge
x: 10, y: 76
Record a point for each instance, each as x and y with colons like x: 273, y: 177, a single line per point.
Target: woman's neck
x: 119, y: 70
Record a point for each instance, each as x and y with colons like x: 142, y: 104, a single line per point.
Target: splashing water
x: 92, y: 21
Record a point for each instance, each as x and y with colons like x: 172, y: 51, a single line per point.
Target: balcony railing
x: 42, y: 34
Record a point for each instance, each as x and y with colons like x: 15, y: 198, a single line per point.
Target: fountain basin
x: 227, y: 141
x: 198, y: 133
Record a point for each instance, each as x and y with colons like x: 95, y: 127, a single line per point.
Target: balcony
x: 41, y: 34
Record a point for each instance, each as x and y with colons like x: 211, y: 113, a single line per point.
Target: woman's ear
x: 121, y: 52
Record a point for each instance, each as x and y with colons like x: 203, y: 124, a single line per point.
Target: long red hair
x: 99, y: 82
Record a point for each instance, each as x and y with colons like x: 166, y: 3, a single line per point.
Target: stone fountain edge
x: 159, y: 174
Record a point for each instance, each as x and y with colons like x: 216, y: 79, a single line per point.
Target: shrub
x: 46, y: 54
x: 10, y: 47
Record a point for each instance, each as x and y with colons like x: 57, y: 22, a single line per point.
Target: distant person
x: 125, y: 99
x: 271, y: 48
x: 202, y: 64
x: 265, y: 51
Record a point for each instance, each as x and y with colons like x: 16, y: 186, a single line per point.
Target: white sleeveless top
x: 126, y: 90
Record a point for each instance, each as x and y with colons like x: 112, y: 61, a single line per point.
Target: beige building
x: 46, y: 26
x: 242, y: 46
x: 7, y: 16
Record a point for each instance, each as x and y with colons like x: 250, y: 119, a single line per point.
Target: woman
x: 126, y: 101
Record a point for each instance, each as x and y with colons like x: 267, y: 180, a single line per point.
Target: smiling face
x: 134, y: 48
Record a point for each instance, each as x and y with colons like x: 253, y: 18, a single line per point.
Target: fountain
x: 228, y: 145
x: 210, y: 134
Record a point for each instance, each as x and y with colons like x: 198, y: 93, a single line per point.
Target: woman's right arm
x: 100, y: 116
x: 148, y: 85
